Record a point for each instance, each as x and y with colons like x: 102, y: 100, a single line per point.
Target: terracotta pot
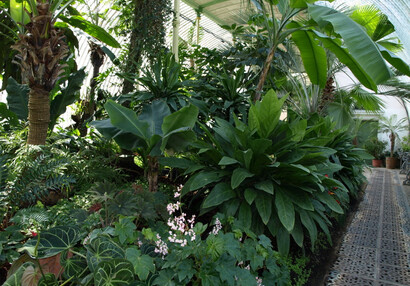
x: 392, y: 162
x: 377, y: 163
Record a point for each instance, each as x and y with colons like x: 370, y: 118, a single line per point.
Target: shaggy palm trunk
x: 264, y: 74
x: 38, y: 116
x: 40, y: 51
x: 88, y: 105
x: 328, y: 95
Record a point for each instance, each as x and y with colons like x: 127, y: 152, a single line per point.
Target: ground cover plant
x: 207, y: 176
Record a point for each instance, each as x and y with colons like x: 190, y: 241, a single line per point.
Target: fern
x: 25, y: 218
x: 36, y: 175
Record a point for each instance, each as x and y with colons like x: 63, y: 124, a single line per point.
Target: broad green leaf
x: 301, y: 199
x: 124, y: 139
x: 265, y: 114
x: 53, y: 241
x: 286, y: 211
x: 115, y: 272
x: 346, y: 58
x: 245, y: 215
x: 227, y: 161
x: 219, y: 194
x: 394, y: 60
x: 238, y: 176
x: 283, y: 240
x: 266, y: 186
x: 307, y: 221
x: 313, y: 55
x: 143, y: 264
x: 330, y: 202
x: 178, y: 139
x: 67, y: 96
x: 100, y: 249
x: 226, y: 268
x: 17, y: 98
x: 154, y: 114
x: 247, y: 156
x: 250, y: 195
x: 73, y: 266
x: 264, y: 206
x: 185, y: 117
x: 204, y: 178
x: 174, y: 162
x: 124, y: 229
x: 91, y: 29
x: 16, y: 278
x: 165, y: 278
x: 126, y: 119
x: 356, y: 40
x: 259, y: 146
x: 297, y: 233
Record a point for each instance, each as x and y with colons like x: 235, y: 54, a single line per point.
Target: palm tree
x: 392, y: 126
x: 40, y: 49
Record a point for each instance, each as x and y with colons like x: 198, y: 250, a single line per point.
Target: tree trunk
x: 152, y: 175
x: 38, y: 116
x: 88, y: 105
x: 392, y: 143
x: 264, y: 74
x: 328, y: 95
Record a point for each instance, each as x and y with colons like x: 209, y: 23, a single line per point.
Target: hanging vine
x: 145, y: 21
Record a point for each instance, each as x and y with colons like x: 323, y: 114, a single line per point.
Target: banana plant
x: 41, y: 47
x: 345, y: 38
x: 150, y: 133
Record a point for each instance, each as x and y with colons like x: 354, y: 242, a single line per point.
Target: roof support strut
x: 175, y: 32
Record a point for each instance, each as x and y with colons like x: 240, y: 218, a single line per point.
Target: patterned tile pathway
x: 375, y: 249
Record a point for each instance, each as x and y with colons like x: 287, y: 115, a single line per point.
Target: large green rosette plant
x: 266, y: 174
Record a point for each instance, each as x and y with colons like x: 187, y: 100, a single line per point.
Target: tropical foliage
x: 198, y: 176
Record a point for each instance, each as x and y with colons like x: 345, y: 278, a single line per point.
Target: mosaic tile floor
x: 375, y: 249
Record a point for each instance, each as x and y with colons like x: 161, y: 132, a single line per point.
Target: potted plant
x: 375, y: 148
x: 392, y: 126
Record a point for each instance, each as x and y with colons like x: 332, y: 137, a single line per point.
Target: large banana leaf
x: 394, y: 60
x: 362, y: 48
x: 93, y: 30
x: 346, y: 58
x: 313, y: 55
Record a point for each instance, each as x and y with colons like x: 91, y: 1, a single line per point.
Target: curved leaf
x: 154, y: 114
x: 185, y: 117
x: 143, y: 264
x: 53, y: 241
x: 16, y: 278
x: 91, y: 29
x: 102, y: 249
x: 346, y: 58
x: 238, y: 176
x: 219, y: 194
x: 286, y: 211
x: 116, y: 272
x: 204, y: 178
x: 313, y: 55
x: 264, y: 206
x: 394, y: 60
x: 126, y: 119
x: 359, y: 44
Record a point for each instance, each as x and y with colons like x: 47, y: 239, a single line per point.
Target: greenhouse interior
x: 204, y: 142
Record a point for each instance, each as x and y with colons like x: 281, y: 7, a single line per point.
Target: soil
x: 323, y: 260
